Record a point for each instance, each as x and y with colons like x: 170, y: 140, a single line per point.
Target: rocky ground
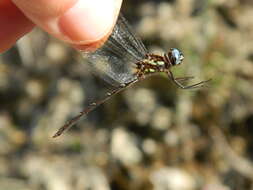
x: 152, y: 135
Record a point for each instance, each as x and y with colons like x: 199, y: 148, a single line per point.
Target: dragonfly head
x: 176, y: 56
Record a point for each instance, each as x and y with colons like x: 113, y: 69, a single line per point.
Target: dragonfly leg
x: 182, y: 79
x: 176, y: 82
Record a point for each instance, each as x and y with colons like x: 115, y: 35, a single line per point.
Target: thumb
x: 79, y: 22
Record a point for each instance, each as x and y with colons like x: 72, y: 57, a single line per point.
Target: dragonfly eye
x: 177, y: 56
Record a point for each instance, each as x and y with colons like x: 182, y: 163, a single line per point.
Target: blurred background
x: 151, y: 136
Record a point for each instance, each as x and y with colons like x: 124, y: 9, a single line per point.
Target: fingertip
x: 84, y: 22
x: 89, y: 21
x: 92, y: 46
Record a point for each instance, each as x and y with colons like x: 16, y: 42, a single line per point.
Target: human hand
x: 82, y: 23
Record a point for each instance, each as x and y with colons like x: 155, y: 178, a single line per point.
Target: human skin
x: 84, y: 24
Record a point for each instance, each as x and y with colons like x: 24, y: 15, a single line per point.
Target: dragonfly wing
x: 124, y: 35
x: 115, y: 60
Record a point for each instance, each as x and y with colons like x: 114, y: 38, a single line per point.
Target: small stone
x: 149, y: 146
x: 172, y: 179
x: 124, y: 147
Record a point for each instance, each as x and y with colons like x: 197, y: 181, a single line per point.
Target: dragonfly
x: 124, y: 60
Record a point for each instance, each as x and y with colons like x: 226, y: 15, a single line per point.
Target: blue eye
x: 177, y: 55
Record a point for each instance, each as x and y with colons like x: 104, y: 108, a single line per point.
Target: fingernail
x: 88, y: 21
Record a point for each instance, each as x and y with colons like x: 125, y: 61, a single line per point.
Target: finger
x: 79, y: 22
x: 13, y: 24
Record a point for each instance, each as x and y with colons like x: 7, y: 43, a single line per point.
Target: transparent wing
x: 115, y: 60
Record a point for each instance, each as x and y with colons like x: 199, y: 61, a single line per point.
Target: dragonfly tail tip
x: 57, y: 134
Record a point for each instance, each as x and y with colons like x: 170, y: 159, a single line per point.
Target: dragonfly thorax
x: 158, y: 63
x: 153, y: 63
